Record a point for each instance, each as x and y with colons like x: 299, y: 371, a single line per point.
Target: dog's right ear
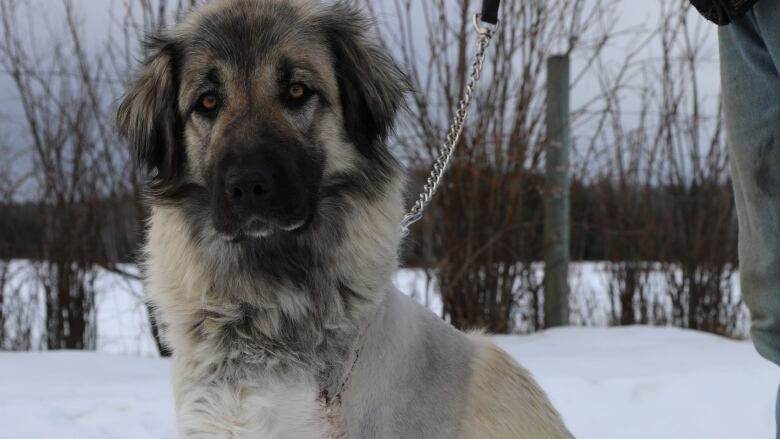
x: 148, y: 116
x: 371, y: 85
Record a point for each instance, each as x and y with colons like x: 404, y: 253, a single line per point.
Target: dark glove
x: 723, y: 11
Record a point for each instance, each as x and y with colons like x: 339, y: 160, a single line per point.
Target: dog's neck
x: 272, y: 318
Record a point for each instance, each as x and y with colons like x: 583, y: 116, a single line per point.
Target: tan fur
x: 180, y: 286
x: 504, y: 401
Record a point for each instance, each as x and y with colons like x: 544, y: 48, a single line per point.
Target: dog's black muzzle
x: 263, y: 188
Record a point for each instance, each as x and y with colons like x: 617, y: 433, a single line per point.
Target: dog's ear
x: 148, y: 117
x: 371, y: 86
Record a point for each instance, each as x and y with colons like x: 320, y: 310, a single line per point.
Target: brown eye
x: 297, y: 91
x: 209, y: 102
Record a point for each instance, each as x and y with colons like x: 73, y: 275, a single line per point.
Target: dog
x: 274, y: 232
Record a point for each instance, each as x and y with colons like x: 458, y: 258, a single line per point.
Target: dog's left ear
x: 147, y: 116
x: 371, y: 85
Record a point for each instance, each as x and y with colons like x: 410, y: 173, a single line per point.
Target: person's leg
x: 750, y: 75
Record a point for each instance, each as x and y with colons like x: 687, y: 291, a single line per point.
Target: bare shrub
x: 664, y: 193
x: 21, y: 324
x: 83, y: 183
x: 482, y: 232
x: 700, y: 212
x: 56, y: 113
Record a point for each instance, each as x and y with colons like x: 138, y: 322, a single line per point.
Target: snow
x: 641, y: 382
x: 614, y: 383
x: 636, y: 382
x: 84, y: 395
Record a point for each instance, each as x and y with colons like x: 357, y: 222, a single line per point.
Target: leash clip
x: 409, y: 219
x: 483, y: 27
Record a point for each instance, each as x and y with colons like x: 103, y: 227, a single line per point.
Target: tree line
x: 651, y: 193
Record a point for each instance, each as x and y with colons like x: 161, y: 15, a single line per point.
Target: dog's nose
x: 249, y: 190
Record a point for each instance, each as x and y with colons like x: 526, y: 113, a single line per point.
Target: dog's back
x: 504, y: 401
x: 418, y: 377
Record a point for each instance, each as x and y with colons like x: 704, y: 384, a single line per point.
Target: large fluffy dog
x: 274, y: 233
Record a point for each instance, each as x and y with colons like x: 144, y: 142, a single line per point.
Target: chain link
x: 456, y: 129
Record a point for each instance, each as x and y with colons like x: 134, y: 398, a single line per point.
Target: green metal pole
x: 556, y: 195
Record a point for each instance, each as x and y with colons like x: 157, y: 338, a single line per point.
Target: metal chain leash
x: 486, y: 33
x: 456, y: 129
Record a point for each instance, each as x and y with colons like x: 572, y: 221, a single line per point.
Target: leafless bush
x: 6, y: 197
x: 66, y: 172
x: 664, y: 193
x: 696, y: 180
x: 81, y: 174
x: 481, y: 234
x: 4, y: 267
x: 19, y: 308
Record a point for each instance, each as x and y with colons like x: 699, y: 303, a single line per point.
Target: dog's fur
x: 269, y: 316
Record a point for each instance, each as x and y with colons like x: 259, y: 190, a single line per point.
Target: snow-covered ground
x: 652, y: 383
x: 80, y: 395
x: 614, y: 383
x: 609, y: 383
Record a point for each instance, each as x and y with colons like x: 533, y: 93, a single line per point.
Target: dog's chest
x: 244, y: 411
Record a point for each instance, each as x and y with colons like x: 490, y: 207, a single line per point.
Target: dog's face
x: 256, y: 132
x: 252, y: 113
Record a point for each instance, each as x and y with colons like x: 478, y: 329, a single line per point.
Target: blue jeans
x: 750, y: 75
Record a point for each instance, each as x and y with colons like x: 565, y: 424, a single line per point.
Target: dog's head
x: 251, y: 112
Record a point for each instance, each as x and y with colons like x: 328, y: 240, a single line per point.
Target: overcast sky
x: 95, y: 15
x: 47, y: 22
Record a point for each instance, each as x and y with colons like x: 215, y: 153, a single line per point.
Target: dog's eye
x: 208, y: 103
x: 296, y: 92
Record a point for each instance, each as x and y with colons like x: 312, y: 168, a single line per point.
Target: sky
x: 45, y: 24
x: 95, y: 16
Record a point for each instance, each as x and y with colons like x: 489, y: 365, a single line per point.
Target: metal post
x: 556, y: 195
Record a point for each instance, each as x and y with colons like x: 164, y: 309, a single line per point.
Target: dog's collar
x: 336, y: 398
x: 357, y: 349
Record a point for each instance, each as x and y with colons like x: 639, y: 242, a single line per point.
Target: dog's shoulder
x: 503, y: 400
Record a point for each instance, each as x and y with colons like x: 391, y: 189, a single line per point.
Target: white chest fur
x: 273, y: 410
